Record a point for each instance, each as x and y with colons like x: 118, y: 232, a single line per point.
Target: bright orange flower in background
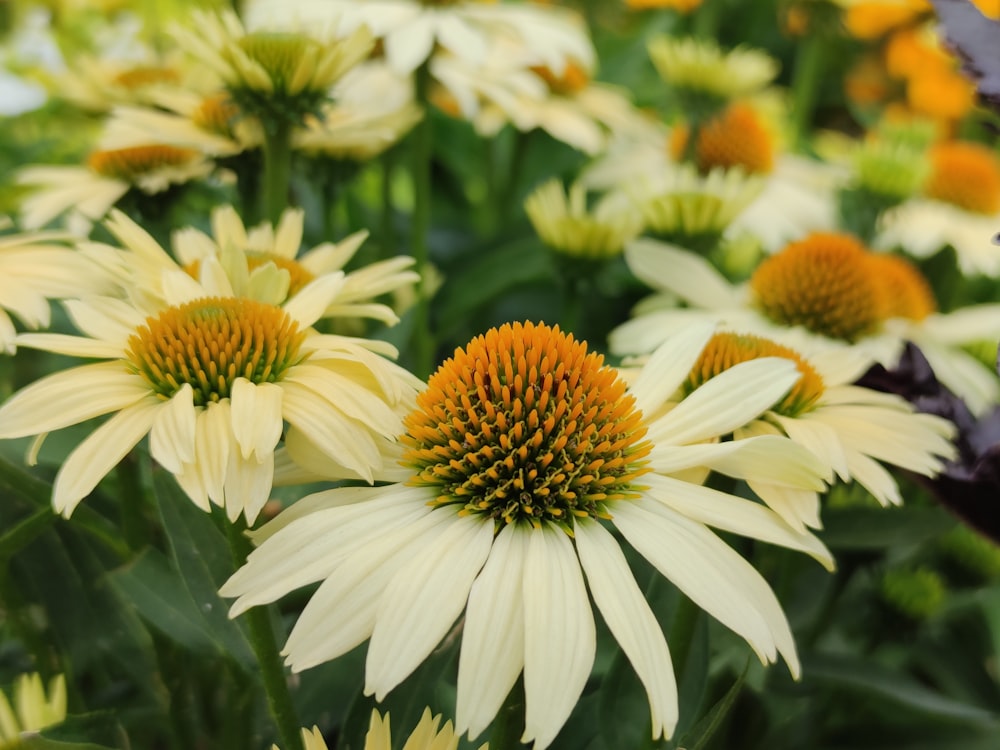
x: 681, y: 6
x: 871, y: 20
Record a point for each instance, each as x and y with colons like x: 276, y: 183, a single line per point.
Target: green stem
x: 806, y: 82
x: 131, y: 500
x: 706, y: 19
x: 423, y: 345
x: 277, y: 169
x: 265, y: 648
x: 24, y: 532
x: 387, y: 229
x: 508, y: 726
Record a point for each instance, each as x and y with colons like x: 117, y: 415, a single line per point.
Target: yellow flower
x: 32, y: 710
x: 870, y: 19
x: 425, y: 735
x: 522, y: 451
x: 215, y: 381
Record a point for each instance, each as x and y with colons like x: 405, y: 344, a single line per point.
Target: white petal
x: 100, y: 452
x: 686, y: 274
x: 70, y: 397
x: 171, y: 440
x: 727, y: 401
x: 630, y: 620
x: 309, y: 304
x: 669, y: 366
x: 213, y: 435
x: 492, y: 653
x: 248, y: 485
x: 256, y: 412
x: 423, y: 600
x: 560, y: 639
x: 712, y: 574
x: 734, y: 514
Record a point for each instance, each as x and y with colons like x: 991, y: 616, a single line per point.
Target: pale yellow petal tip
x: 31, y: 708
x: 425, y: 735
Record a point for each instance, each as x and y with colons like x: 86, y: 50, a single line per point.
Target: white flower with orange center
x: 523, y: 451
x: 960, y: 207
x: 37, y: 267
x: 412, y: 32
x: 262, y: 263
x: 850, y: 428
x: 85, y: 194
x: 214, y: 381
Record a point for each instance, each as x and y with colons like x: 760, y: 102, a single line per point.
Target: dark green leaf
x: 869, y: 528
x: 700, y: 734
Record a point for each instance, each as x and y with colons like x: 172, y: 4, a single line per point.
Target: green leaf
x: 161, y: 598
x: 43, y: 743
x: 201, y: 556
x: 700, y: 734
x: 869, y: 528
x: 883, y: 683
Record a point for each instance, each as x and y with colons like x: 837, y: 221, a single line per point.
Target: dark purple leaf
x: 975, y: 40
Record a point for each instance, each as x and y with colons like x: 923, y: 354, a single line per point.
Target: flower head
x: 212, y: 379
x: 565, y: 224
x: 425, y: 736
x: 523, y: 446
x: 32, y: 709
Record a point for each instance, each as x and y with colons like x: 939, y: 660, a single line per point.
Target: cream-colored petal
x: 309, y: 304
x: 248, y: 485
x: 105, y: 318
x: 798, y: 508
x: 560, y: 639
x: 71, y: 346
x: 734, y: 514
x: 669, y: 366
x: 630, y: 620
x: 256, y: 412
x: 727, y: 401
x: 423, y: 600
x: 70, y: 396
x: 670, y: 268
x: 714, y: 576
x: 492, y: 654
x: 311, y: 547
x: 171, y: 439
x: 213, y: 438
x: 341, y: 613
x: 100, y: 452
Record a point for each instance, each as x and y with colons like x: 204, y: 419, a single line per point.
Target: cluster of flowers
x: 505, y: 490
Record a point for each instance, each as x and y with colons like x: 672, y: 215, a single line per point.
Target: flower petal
x: 630, y: 620
x: 171, y: 440
x: 560, y: 639
x: 256, y: 413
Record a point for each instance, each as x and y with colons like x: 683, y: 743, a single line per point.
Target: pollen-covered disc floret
x: 725, y: 350
x: 823, y: 283
x: 525, y: 425
x: 736, y: 137
x: 210, y: 342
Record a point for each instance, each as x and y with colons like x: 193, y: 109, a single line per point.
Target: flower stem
x: 423, y: 347
x: 806, y: 82
x: 277, y: 169
x: 265, y: 648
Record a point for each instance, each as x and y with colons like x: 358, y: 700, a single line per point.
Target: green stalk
x: 387, y: 231
x: 423, y: 345
x: 277, y: 168
x: 265, y: 648
x: 806, y: 81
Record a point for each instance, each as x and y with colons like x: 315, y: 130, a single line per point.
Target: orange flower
x: 871, y: 20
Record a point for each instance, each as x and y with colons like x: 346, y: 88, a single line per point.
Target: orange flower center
x: 216, y: 114
x: 966, y: 175
x: 725, y: 350
x: 210, y: 342
x: 525, y: 425
x: 145, y: 75
x: 572, y: 79
x: 823, y: 283
x: 734, y: 138
x: 135, y: 161
x: 906, y: 292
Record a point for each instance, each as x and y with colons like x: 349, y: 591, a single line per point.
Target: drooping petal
x: 492, y: 654
x: 256, y: 412
x: 100, y: 452
x: 560, y: 639
x: 423, y: 600
x: 630, y: 620
x: 669, y: 366
x: 171, y: 439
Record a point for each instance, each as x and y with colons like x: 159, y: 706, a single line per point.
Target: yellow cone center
x: 525, y: 424
x: 135, y: 161
x: 906, y: 292
x: 735, y: 138
x: 210, y: 342
x: 823, y: 283
x: 725, y: 350
x: 966, y: 175
x: 145, y: 75
x: 571, y: 80
x: 216, y: 114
